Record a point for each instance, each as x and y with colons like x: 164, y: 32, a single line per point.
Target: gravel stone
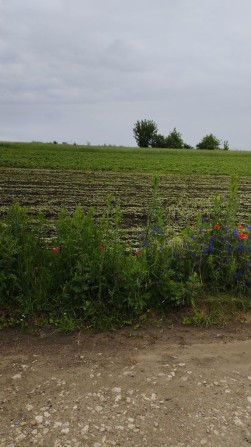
x: 163, y: 393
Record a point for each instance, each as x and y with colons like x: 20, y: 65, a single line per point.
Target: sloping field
x: 117, y: 159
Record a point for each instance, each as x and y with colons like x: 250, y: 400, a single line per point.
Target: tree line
x: 146, y: 135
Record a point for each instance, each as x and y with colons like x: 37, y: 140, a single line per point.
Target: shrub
x: 209, y: 142
x: 158, y: 141
x: 172, y: 141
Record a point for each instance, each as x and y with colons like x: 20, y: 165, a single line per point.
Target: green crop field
x: 115, y: 159
x: 47, y: 177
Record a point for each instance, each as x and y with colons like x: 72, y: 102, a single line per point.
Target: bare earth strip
x: 171, y: 386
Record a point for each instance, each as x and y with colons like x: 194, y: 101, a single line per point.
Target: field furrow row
x: 51, y: 190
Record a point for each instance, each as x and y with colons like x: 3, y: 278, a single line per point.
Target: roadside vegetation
x: 85, y: 275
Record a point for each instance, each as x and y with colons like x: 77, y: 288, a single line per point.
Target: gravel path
x: 168, y: 387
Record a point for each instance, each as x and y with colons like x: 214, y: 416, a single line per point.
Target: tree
x: 158, y: 141
x: 187, y: 146
x: 144, y: 132
x: 209, y: 142
x: 174, y: 140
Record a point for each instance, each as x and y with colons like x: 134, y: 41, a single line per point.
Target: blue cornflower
x: 205, y: 217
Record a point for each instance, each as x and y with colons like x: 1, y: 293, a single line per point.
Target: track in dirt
x: 169, y: 386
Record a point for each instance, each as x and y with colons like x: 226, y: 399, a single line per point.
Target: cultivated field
x: 46, y: 177
x: 183, y: 196
x: 117, y: 159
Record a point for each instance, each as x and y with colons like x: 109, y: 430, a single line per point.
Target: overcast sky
x: 87, y: 70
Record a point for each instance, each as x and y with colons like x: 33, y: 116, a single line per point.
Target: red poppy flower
x: 137, y: 253
x: 54, y: 249
x: 216, y: 227
x: 101, y: 247
x: 243, y: 236
x: 239, y: 227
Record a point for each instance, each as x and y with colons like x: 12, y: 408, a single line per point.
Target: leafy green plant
x: 201, y: 318
x: 170, y: 281
x: 24, y: 281
x: 221, y: 250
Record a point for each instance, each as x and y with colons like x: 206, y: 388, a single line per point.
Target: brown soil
x: 172, y: 386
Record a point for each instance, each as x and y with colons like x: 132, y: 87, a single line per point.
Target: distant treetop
x: 209, y: 142
x: 146, y: 134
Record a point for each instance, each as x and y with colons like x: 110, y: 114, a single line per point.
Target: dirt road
x: 170, y: 387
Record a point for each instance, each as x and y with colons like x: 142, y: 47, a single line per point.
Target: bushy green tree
x: 159, y: 141
x: 209, y: 142
x: 144, y: 132
x: 187, y: 146
x: 174, y: 140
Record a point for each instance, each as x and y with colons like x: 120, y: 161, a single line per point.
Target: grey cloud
x: 182, y: 63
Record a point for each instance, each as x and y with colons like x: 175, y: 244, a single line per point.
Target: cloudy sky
x: 87, y: 70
